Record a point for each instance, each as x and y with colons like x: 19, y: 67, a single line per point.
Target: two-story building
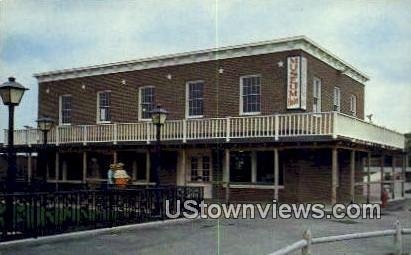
x: 280, y: 119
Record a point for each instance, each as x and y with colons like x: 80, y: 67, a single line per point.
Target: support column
x: 181, y: 165
x: 352, y: 175
x: 382, y: 159
x: 334, y: 173
x: 29, y: 167
x: 134, y: 173
x: 84, y: 167
x: 148, y: 166
x: 115, y: 155
x: 368, y: 176
x: 253, y: 166
x: 276, y: 174
x: 393, y: 176
x: 226, y: 174
x: 57, y: 167
x: 404, y: 169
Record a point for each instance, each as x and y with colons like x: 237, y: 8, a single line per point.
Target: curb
x: 87, y: 233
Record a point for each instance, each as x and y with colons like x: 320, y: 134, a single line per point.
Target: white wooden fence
x: 306, y: 243
x: 276, y: 126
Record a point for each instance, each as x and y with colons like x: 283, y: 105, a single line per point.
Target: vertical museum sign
x: 296, y: 82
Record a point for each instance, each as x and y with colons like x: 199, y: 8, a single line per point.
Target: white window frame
x: 98, y: 107
x: 353, y: 105
x: 200, y: 170
x: 61, y: 109
x: 318, y: 90
x: 241, y: 94
x: 140, y: 109
x: 188, y: 116
x: 337, y: 98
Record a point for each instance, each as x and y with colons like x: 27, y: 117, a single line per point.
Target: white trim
x: 187, y: 110
x: 255, y: 186
x: 241, y: 94
x: 251, y: 49
x: 98, y: 121
x: 61, y: 108
x: 337, y: 98
x: 319, y: 103
x: 140, y: 113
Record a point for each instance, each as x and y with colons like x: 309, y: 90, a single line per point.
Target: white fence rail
x: 305, y: 244
x: 274, y: 126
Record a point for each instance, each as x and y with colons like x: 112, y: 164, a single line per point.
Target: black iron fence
x: 24, y: 215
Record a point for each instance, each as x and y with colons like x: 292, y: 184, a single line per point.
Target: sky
x: 374, y: 36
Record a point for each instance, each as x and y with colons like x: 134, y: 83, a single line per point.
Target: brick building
x: 281, y: 119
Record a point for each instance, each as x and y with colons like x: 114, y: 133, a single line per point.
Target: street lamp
x: 158, y: 116
x: 11, y: 93
x: 44, y: 125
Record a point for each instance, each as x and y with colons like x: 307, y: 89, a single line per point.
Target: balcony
x: 278, y: 127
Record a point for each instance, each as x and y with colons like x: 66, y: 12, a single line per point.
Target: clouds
x: 38, y: 36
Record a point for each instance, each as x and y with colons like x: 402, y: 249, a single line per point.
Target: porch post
x: 276, y: 170
x: 134, y: 173
x: 352, y: 175
x: 382, y: 159
x: 404, y: 169
x: 181, y: 165
x: 393, y: 175
x: 57, y: 167
x: 148, y: 165
x: 29, y: 167
x: 115, y: 157
x: 253, y: 166
x: 184, y: 166
x: 84, y: 167
x: 368, y: 176
x: 334, y: 173
x: 226, y: 174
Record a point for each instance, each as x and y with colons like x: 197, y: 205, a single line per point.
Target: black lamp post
x: 11, y: 93
x: 158, y: 116
x: 44, y: 125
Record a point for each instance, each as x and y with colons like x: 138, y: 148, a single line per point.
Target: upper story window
x: 194, y: 99
x: 103, y: 106
x: 250, y: 94
x: 317, y: 95
x: 146, y: 102
x: 353, y: 105
x: 337, y: 99
x: 65, y: 109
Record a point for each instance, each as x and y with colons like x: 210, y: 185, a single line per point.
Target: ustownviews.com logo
x: 193, y: 209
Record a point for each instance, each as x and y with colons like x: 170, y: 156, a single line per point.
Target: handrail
x: 306, y: 243
x: 333, y: 124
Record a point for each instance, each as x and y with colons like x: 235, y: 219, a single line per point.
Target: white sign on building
x: 296, y: 83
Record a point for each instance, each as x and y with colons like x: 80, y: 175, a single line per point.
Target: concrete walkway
x: 250, y: 236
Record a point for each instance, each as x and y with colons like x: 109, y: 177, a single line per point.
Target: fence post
x: 335, y: 118
x: 276, y: 125
x: 306, y: 250
x: 227, y: 138
x: 115, y: 133
x: 184, y: 130
x: 148, y: 132
x: 57, y: 136
x: 398, y: 238
x: 84, y: 135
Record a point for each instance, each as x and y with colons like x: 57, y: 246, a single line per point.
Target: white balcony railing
x: 331, y: 124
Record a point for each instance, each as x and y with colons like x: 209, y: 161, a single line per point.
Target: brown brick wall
x: 221, y: 91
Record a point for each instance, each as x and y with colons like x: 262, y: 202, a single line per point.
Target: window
x: 250, y: 98
x: 353, y: 105
x: 337, y: 99
x: 317, y: 95
x: 147, y: 101
x: 103, y: 101
x: 200, y: 169
x: 194, y: 99
x: 65, y: 109
x: 240, y: 166
x: 265, y: 168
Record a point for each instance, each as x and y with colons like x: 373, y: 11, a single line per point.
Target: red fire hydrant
x: 384, y: 199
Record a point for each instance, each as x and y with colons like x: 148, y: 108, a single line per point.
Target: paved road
x: 250, y: 236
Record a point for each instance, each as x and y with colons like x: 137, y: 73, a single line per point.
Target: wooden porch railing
x: 276, y: 126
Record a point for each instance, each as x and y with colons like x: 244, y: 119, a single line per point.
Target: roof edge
x: 249, y: 49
